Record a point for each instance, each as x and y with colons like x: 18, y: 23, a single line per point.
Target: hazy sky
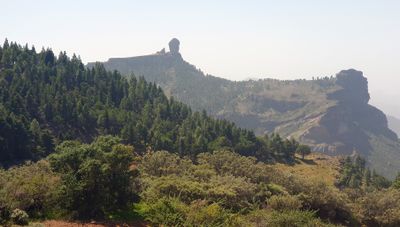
x: 231, y: 39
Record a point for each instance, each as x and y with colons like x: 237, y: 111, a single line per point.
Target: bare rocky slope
x: 331, y: 114
x: 394, y: 124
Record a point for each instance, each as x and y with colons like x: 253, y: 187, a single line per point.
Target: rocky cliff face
x: 346, y: 127
x: 330, y: 114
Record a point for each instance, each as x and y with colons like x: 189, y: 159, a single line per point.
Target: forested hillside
x: 46, y: 99
x: 329, y: 113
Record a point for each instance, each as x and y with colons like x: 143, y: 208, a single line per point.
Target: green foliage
x: 237, y: 184
x: 170, y: 211
x: 165, y: 211
x: 303, y: 150
x: 97, y: 177
x: 396, y: 182
x: 274, y: 146
x: 32, y: 187
x: 379, y: 208
x: 233, y: 181
x: 355, y: 174
x: 45, y: 100
x: 201, y: 213
x: 19, y: 217
x: 5, y: 216
x: 100, y: 180
x: 326, y: 201
x: 288, y: 218
x: 284, y: 202
x: 163, y: 163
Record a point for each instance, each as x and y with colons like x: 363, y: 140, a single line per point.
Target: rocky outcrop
x: 174, y: 46
x: 331, y: 114
x: 354, y: 87
x: 346, y: 125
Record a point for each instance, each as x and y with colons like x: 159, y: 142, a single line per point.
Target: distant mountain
x: 331, y: 114
x: 394, y: 124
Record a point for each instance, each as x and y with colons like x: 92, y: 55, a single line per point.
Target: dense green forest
x: 89, y: 144
x: 46, y: 99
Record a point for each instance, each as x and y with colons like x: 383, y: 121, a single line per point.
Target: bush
x: 97, y: 177
x: 171, y: 211
x: 32, y: 187
x: 5, y: 214
x: 203, y: 214
x: 288, y: 218
x: 167, y: 211
x: 276, y: 189
x: 163, y: 163
x: 19, y: 217
x: 379, y: 208
x: 284, y: 202
x: 230, y: 163
x: 328, y: 202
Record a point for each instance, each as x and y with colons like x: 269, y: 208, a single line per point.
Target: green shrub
x: 168, y: 211
x: 276, y: 189
x: 19, y: 217
x: 163, y: 163
x: 32, y: 187
x: 97, y: 178
x: 5, y: 214
x: 379, y: 208
x: 328, y: 202
x: 173, y: 186
x: 230, y: 163
x: 284, y: 202
x: 203, y: 214
x: 289, y: 218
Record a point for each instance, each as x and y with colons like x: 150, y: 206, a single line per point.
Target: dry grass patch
x: 316, y: 167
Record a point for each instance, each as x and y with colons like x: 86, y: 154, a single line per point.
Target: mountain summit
x: 331, y: 114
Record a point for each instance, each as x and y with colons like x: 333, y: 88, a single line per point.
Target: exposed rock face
x: 174, y: 46
x: 353, y: 126
x: 331, y: 114
x: 355, y: 87
x: 346, y: 126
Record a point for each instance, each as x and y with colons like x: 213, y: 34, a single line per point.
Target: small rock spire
x: 174, y: 46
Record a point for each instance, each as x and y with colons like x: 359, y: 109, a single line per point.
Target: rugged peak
x: 174, y: 46
x: 350, y: 78
x: 355, y: 86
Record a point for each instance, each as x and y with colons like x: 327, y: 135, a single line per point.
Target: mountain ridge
x: 331, y: 114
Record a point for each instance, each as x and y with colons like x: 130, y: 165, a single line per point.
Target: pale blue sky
x: 232, y: 39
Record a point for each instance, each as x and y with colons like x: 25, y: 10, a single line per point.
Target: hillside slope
x: 332, y: 114
x: 45, y: 100
x: 394, y: 124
